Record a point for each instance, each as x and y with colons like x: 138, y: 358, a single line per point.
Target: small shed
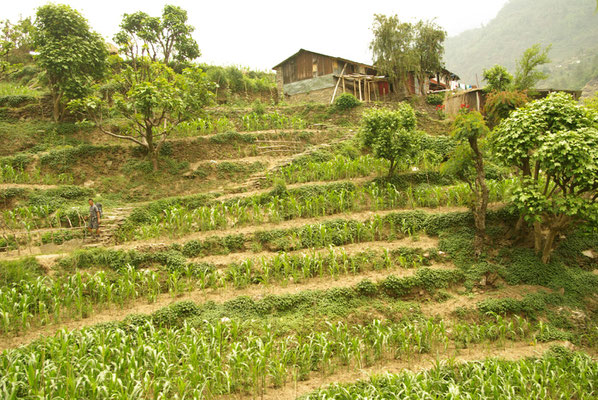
x: 307, y: 75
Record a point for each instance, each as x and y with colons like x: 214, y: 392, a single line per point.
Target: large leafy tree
x: 527, y: 74
x: 153, y: 99
x: 553, y: 143
x: 429, y: 48
x: 392, y: 49
x: 70, y: 53
x: 163, y: 38
x: 400, y: 48
x: 467, y: 162
x: 391, y: 134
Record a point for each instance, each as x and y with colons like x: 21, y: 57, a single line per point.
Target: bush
x: 346, y: 101
x: 15, y: 100
x: 435, y: 99
x: 500, y: 104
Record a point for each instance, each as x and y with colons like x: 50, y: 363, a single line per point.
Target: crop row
x: 339, y: 232
x: 340, y: 167
x: 140, y: 361
x: 9, y: 174
x: 344, y: 167
x: 46, y: 300
x: 560, y: 374
x: 176, y: 220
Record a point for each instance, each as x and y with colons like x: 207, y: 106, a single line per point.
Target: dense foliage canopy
x: 167, y: 38
x: 70, y: 53
x: 391, y: 134
x: 553, y: 143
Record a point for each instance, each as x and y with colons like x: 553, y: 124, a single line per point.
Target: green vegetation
x: 498, y: 78
x: 527, y: 75
x: 71, y: 55
x: 553, y: 143
x: 165, y: 39
x: 402, y: 48
x: 155, y: 101
x: 277, y: 243
x: 391, y: 135
x: 346, y: 101
x: 499, y: 105
x: 470, y: 130
x: 560, y: 373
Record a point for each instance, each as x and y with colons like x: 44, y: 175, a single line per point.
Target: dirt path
x: 220, y: 295
x: 512, y: 351
x: 26, y: 186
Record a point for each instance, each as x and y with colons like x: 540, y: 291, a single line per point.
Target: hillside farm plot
x: 301, y: 274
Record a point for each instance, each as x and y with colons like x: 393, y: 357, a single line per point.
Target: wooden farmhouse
x: 311, y: 76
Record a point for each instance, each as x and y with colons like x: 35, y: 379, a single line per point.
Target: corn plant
x: 208, y: 359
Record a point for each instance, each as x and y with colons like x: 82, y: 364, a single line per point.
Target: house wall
x: 475, y: 99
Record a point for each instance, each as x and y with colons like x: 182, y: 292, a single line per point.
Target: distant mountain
x: 571, y: 26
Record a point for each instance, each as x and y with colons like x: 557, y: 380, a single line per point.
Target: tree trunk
x: 548, y: 245
x: 391, y: 168
x: 56, y: 106
x: 538, y: 237
x: 152, y: 151
x: 481, y: 195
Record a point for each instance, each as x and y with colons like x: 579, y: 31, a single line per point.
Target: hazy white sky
x: 261, y: 33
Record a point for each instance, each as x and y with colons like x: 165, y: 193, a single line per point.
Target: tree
x: 19, y: 34
x: 527, y: 75
x: 70, y: 54
x: 429, y: 49
x: 154, y: 100
x: 553, y: 143
x: 467, y: 162
x: 391, y: 135
x: 498, y: 78
x: 161, y: 39
x: 400, y: 48
x: 392, y: 49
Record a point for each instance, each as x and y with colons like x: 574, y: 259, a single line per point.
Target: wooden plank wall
x: 307, y: 65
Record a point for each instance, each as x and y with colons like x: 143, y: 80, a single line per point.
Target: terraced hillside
x: 277, y: 260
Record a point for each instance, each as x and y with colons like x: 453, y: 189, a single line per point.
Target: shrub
x: 15, y: 100
x: 500, y: 104
x: 435, y: 99
x: 13, y: 272
x: 346, y: 101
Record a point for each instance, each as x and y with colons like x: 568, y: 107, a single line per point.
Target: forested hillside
x: 570, y: 26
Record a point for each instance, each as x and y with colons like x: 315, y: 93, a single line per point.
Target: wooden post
x: 354, y: 88
x: 343, y: 84
x: 376, y: 89
x: 337, y: 83
x: 359, y: 83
